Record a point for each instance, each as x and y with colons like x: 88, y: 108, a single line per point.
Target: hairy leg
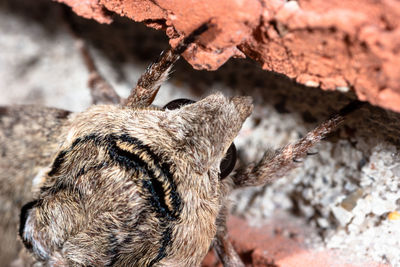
x: 221, y: 244
x: 150, y: 81
x: 276, y: 164
x: 100, y: 90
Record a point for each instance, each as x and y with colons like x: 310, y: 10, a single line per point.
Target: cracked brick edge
x: 333, y: 45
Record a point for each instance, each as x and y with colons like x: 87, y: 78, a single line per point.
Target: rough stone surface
x: 90, y: 9
x: 334, y: 45
x: 347, y: 194
x: 280, y: 242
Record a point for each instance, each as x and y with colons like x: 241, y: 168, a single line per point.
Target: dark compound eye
x: 178, y: 103
x: 229, y: 161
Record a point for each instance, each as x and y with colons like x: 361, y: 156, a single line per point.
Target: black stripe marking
x: 157, y: 199
x: 22, y: 221
x: 57, y: 162
x: 130, y: 161
x: 165, y: 242
x: 154, y: 185
x: 113, y: 251
x: 165, y: 170
x: 61, y: 156
x: 57, y: 187
x: 61, y: 185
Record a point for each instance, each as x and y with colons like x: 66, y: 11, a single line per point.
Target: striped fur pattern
x: 134, y: 187
x: 124, y: 183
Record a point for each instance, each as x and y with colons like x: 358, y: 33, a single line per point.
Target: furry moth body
x: 126, y: 184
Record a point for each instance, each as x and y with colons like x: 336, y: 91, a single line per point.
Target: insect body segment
x: 132, y: 155
x: 131, y: 185
x: 229, y: 161
x: 129, y: 151
x: 142, y: 167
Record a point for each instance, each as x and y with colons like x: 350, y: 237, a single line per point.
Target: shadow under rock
x: 127, y: 42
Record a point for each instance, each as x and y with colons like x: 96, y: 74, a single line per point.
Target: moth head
x: 120, y: 172
x: 205, y: 130
x: 229, y: 160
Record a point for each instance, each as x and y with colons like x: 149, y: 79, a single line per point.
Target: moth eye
x: 178, y: 103
x: 228, y: 162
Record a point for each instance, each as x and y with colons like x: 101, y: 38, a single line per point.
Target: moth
x: 125, y: 183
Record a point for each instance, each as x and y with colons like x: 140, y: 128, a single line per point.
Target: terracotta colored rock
x: 336, y: 45
x: 271, y: 246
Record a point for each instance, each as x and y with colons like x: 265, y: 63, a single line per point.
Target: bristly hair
x: 150, y: 81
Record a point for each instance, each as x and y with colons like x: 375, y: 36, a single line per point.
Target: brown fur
x: 127, y: 184
x: 27, y: 142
